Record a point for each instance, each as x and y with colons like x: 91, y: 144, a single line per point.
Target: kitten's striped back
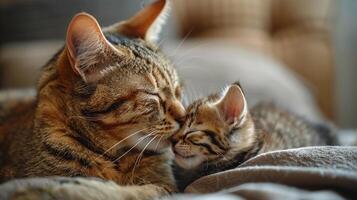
x: 220, y: 133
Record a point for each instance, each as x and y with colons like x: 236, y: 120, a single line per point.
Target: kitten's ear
x: 147, y: 23
x: 232, y: 106
x: 87, y: 47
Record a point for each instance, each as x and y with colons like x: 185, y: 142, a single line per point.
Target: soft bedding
x: 326, y: 172
x: 330, y: 168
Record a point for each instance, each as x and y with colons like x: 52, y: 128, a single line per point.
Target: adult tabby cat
x: 106, y: 105
x: 219, y: 133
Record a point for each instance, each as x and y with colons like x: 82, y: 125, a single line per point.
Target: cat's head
x: 113, y: 84
x: 216, y: 128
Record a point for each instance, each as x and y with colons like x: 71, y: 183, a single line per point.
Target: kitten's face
x: 209, y: 133
x: 203, y: 137
x: 114, y: 86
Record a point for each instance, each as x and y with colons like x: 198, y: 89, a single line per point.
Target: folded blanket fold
x: 327, y: 172
x: 311, y: 168
x: 271, y: 191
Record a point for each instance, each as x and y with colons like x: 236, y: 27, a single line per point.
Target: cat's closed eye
x: 112, y: 107
x: 159, y: 99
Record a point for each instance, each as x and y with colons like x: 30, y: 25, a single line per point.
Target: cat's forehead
x: 144, y: 58
x: 133, y: 81
x: 138, y: 47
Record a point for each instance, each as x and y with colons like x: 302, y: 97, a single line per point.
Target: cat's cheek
x: 173, y: 126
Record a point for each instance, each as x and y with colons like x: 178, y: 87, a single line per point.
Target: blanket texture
x: 310, y: 168
x: 327, y: 172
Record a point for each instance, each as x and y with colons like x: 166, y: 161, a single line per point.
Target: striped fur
x: 116, y: 127
x: 206, y: 144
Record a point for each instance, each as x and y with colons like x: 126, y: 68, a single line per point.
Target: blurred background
x: 303, y: 44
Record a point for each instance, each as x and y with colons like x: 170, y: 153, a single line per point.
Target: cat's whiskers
x: 136, y: 144
x: 159, y: 142
x: 160, y: 42
x: 116, y: 144
x: 140, y: 155
x: 83, y: 117
x: 188, y: 52
x: 184, y: 59
x: 181, y: 43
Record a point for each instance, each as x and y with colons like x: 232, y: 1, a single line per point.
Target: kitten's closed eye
x: 195, y: 147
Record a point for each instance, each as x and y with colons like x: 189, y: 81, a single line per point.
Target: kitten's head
x: 113, y: 84
x: 216, y: 128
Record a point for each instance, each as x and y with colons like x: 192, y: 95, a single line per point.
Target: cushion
x: 208, y: 66
x: 295, y: 32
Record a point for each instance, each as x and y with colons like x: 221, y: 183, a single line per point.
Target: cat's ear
x: 147, y: 23
x: 232, y: 105
x: 87, y: 47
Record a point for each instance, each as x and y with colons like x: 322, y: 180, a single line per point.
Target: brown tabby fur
x: 207, y: 144
x: 114, y: 126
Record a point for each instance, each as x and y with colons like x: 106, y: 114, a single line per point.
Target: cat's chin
x: 190, y: 162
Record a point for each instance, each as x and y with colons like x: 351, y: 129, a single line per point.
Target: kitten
x: 106, y: 105
x: 220, y: 132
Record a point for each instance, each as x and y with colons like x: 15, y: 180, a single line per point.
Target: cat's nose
x: 174, y: 139
x: 177, y: 111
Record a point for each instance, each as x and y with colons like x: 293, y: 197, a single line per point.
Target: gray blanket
x: 303, y: 173
x: 309, y: 168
